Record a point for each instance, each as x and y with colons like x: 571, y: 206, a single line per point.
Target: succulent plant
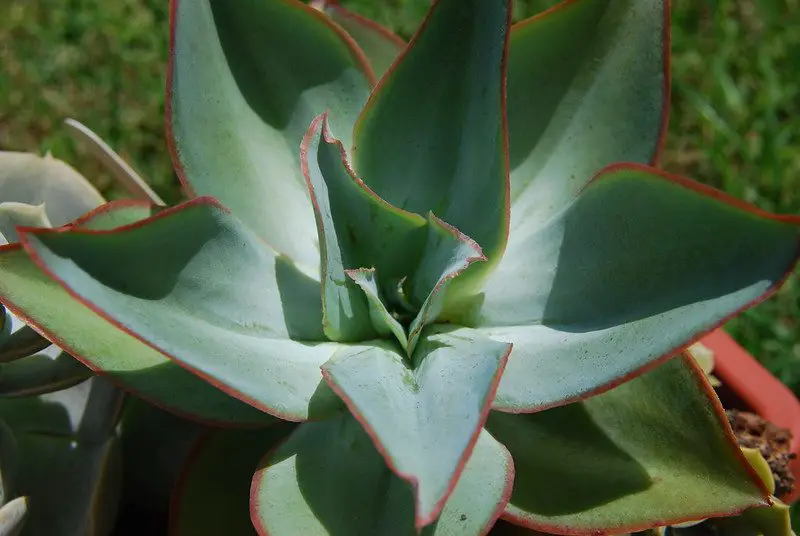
x: 57, y: 426
x: 461, y: 287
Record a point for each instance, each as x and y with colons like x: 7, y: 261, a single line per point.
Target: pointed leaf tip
x: 404, y: 145
x: 91, y: 264
x: 423, y: 440
x: 639, y: 264
x: 687, y: 467
x: 329, y: 479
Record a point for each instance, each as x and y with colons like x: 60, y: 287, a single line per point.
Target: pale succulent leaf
x: 637, y: 265
x: 573, y: 111
x: 124, y: 358
x: 35, y: 180
x: 246, y: 79
x: 328, y: 479
x: 13, y: 215
x: 13, y: 516
x: 425, y: 418
x: 219, y: 292
x: 379, y: 44
x: 406, y: 147
x: 121, y: 170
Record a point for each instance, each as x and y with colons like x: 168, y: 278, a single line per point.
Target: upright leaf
x: 424, y: 418
x: 382, y: 320
x: 432, y: 136
x: 380, y: 45
x: 246, y: 79
x: 580, y: 104
x: 356, y: 229
x: 447, y: 254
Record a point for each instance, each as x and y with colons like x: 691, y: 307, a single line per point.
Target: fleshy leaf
x: 633, y: 269
x: 653, y: 451
x: 14, y: 214
x: 329, y: 480
x: 379, y: 44
x: 98, y: 343
x: 447, y: 254
x: 246, y: 78
x: 13, y: 516
x: 382, y: 320
x: 424, y: 418
x: 219, y: 301
x: 24, y: 341
x: 572, y: 111
x: 71, y: 473
x: 34, y: 180
x: 55, y: 468
x: 356, y: 229
x: 772, y: 521
x: 444, y: 149
x: 121, y: 170
x: 213, y: 491
x: 37, y: 374
x: 9, y: 462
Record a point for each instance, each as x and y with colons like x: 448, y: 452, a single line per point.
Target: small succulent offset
x: 429, y: 262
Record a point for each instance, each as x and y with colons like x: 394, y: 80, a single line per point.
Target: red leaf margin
x: 706, y: 191
x: 719, y: 411
x: 666, y: 58
x: 55, y: 339
x: 358, y: 55
x: 420, y: 522
x: 497, y: 514
x: 25, y: 232
x: 385, y: 32
x: 503, y: 107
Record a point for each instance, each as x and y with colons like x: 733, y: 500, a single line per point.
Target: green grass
x: 735, y: 120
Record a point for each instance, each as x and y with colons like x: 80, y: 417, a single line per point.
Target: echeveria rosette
x: 418, y: 264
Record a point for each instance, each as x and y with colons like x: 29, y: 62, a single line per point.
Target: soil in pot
x: 773, y: 442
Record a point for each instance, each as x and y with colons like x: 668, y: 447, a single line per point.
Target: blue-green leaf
x: 246, y: 79
x: 424, y: 417
x: 328, y: 479
x: 588, y: 86
x: 432, y: 136
x: 198, y: 286
x: 634, y: 268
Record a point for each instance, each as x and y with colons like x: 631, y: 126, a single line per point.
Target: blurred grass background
x: 735, y: 117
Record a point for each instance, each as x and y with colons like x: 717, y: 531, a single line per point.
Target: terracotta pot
x: 756, y: 390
